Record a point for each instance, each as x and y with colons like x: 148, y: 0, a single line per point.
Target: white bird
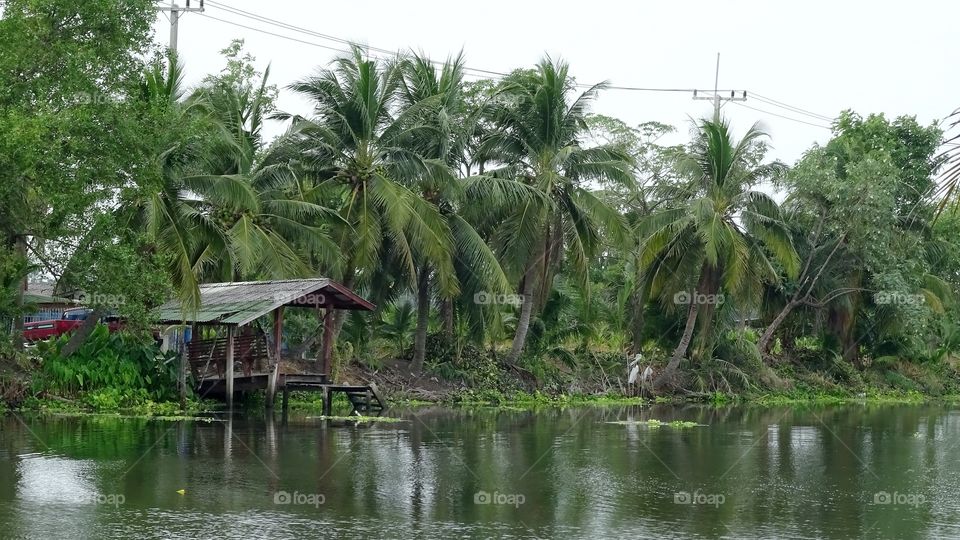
x: 633, y: 369
x: 647, y: 374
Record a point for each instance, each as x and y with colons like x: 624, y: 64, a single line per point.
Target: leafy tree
x: 859, y: 208
x: 69, y: 139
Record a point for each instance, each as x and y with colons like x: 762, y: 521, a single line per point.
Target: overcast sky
x: 820, y: 56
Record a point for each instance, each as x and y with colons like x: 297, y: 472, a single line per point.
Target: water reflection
x: 809, y: 472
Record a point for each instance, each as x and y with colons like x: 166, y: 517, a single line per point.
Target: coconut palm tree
x: 722, y: 235
x: 541, y: 126
x: 217, y: 212
x: 360, y: 155
x: 448, y: 124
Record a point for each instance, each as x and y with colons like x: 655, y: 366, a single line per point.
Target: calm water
x: 810, y: 472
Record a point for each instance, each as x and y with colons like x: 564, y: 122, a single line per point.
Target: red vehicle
x: 68, y: 322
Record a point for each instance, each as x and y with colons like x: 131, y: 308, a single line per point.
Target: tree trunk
x: 331, y: 328
x: 423, y: 319
x: 638, y: 302
x: 705, y: 281
x: 766, y: 340
x: 20, y: 246
x: 446, y: 313
x: 681, y: 350
x: 526, y: 312
x: 798, y: 297
x: 707, y: 288
x: 79, y: 337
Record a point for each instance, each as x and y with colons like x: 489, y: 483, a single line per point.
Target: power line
x: 485, y: 72
x: 174, y: 19
x: 288, y: 26
x: 782, y: 116
x: 262, y: 31
x: 368, y: 48
x: 781, y: 104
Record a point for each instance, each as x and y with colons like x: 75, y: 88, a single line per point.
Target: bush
x: 108, y: 371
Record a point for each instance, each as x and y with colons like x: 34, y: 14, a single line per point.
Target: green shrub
x: 108, y: 371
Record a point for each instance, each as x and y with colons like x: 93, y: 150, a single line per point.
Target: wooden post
x: 327, y: 401
x: 184, y: 351
x: 272, y: 385
x: 228, y: 368
x: 274, y: 373
x: 278, y: 332
x: 327, y: 350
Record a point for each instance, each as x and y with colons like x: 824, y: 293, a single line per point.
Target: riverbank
x: 490, y: 384
x: 783, y: 384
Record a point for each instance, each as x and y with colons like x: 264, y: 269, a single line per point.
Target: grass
x: 654, y: 423
x: 839, y: 398
x: 148, y: 409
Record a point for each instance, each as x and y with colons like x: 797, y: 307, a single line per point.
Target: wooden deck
x: 365, y: 399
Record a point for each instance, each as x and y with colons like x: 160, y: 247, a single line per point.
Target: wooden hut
x: 228, y: 311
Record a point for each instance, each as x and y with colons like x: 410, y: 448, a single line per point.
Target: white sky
x: 821, y: 56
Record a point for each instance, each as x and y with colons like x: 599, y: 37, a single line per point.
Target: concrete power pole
x: 716, y: 97
x: 175, y: 12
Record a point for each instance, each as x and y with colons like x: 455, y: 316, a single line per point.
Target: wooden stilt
x: 327, y: 349
x: 182, y: 370
x: 327, y: 401
x: 272, y: 385
x: 286, y: 399
x: 278, y: 347
x: 228, y: 368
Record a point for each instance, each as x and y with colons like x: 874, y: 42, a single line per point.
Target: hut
x: 224, y: 333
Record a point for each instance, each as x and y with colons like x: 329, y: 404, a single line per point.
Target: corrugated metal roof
x: 239, y: 303
x: 36, y: 298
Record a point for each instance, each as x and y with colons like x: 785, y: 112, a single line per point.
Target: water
x: 856, y: 471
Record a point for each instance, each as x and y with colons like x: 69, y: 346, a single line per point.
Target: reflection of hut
x: 225, y: 332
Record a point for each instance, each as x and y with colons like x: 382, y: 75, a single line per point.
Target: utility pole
x: 175, y: 12
x: 716, y: 97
